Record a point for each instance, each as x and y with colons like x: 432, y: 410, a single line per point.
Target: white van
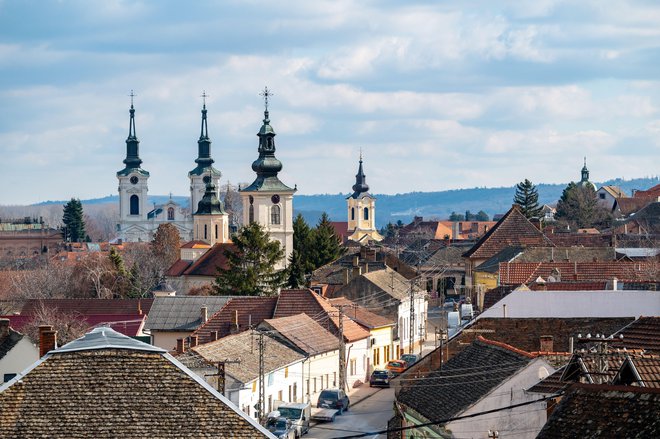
x: 298, y: 412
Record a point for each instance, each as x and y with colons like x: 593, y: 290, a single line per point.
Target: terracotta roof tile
x: 209, y: 262
x: 513, y: 273
x: 178, y: 268
x: 89, y: 306
x: 643, y: 333
x: 304, y: 333
x: 250, y: 311
x: 513, y: 229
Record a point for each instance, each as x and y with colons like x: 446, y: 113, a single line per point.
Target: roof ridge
x: 506, y: 346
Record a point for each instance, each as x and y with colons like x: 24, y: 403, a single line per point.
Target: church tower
x: 132, y: 188
x: 267, y: 200
x: 362, y: 210
x: 584, y: 180
x: 210, y: 221
x: 204, y: 164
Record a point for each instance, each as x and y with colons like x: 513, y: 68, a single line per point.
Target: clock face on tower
x: 275, y: 199
x: 134, y: 180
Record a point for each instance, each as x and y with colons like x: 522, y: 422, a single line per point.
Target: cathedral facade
x: 138, y: 221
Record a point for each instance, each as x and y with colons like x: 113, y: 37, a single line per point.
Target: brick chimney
x: 204, y: 312
x: 546, y: 343
x: 4, y: 329
x: 180, y: 346
x: 47, y: 339
x: 193, y: 341
x: 233, y: 328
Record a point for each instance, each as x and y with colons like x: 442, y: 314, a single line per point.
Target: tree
x: 456, y: 217
x: 469, y: 216
x: 165, y: 245
x: 482, y: 216
x: 527, y: 197
x: 300, y: 261
x: 579, y: 206
x: 233, y: 204
x: 325, y: 244
x: 74, y: 225
x: 251, y: 261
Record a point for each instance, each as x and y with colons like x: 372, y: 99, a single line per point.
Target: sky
x: 436, y: 95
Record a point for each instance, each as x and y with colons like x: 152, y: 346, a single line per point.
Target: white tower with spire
x: 204, y: 163
x: 267, y: 200
x: 362, y: 210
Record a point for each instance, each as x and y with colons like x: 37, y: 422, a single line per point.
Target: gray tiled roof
x: 181, y: 313
x: 447, y: 392
x: 304, y: 333
x: 105, y: 338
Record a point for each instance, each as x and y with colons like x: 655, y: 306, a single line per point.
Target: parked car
x: 380, y: 377
x: 281, y: 427
x: 410, y: 359
x: 396, y: 366
x: 333, y: 399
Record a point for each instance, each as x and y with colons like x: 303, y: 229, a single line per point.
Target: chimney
x: 193, y: 341
x: 363, y: 252
x: 180, y: 346
x: 570, y: 344
x: 204, y: 314
x: 4, y: 329
x: 214, y: 335
x: 357, y: 271
x: 233, y: 328
x: 504, y: 310
x: 615, y: 283
x: 47, y: 339
x: 546, y: 343
x: 139, y: 310
x: 366, y: 267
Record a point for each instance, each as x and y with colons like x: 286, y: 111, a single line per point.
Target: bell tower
x: 267, y: 200
x: 204, y: 163
x: 133, y: 187
x: 362, y: 210
x: 210, y: 221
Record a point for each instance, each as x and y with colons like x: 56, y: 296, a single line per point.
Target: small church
x: 362, y: 211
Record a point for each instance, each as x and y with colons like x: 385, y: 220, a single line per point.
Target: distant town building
x: 27, y: 237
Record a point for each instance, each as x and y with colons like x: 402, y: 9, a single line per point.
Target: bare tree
x: 69, y: 326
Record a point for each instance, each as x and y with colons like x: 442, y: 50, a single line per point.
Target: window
x: 387, y: 353
x: 270, y: 403
x: 205, y: 231
x: 279, y: 395
x: 275, y: 214
x: 251, y: 214
x: 295, y: 392
x: 286, y: 372
x: 352, y: 213
x: 135, y: 205
x: 334, y: 379
x: 376, y: 356
x: 8, y: 376
x: 366, y: 213
x: 290, y: 400
x: 308, y: 386
x: 271, y: 379
x: 170, y: 214
x: 353, y: 366
x: 216, y: 231
x: 315, y: 389
x: 602, y: 196
x: 254, y: 386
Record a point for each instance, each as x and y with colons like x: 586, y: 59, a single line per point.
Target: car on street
x: 333, y: 399
x: 410, y: 359
x: 380, y: 378
x: 396, y: 366
x: 281, y: 427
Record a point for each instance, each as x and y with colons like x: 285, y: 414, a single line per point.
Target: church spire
x: 204, y: 159
x: 210, y: 204
x: 360, y: 185
x: 585, y: 171
x: 132, y: 160
x: 267, y: 165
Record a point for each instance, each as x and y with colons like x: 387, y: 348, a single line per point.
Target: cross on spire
x: 132, y: 95
x: 204, y: 96
x: 360, y: 153
x: 266, y: 94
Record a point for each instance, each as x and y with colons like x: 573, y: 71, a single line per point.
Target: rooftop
x: 304, y: 333
x: 182, y: 313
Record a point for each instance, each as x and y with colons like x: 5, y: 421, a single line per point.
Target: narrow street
x: 371, y: 414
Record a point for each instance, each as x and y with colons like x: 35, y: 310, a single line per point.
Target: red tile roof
x: 517, y: 273
x: 514, y: 229
x: 653, y: 192
x: 247, y: 310
x: 643, y: 333
x: 196, y: 244
x: 206, y: 265
x: 341, y: 229
x: 292, y: 302
x: 362, y: 316
x: 87, y: 307
x: 178, y: 268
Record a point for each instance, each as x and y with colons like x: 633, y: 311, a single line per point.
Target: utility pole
x: 221, y: 374
x: 412, y: 318
x: 262, y: 388
x: 342, y: 350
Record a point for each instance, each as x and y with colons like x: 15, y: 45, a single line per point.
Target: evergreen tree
x: 456, y: 217
x: 579, y: 207
x: 74, y: 225
x: 251, y: 263
x: 482, y: 216
x: 527, y: 197
x: 325, y: 244
x: 300, y: 261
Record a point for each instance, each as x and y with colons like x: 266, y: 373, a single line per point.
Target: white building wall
x: 521, y: 422
x: 357, y: 362
x: 322, y: 371
x: 22, y: 355
x: 421, y: 308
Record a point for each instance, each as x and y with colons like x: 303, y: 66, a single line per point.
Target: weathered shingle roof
x: 304, y: 333
x: 598, y: 411
x: 89, y: 306
x: 643, y: 333
x: 243, y: 347
x: 292, y: 302
x: 390, y: 282
x: 517, y: 273
x: 248, y: 310
x: 362, y: 316
x: 103, y: 391
x: 181, y: 313
x: 512, y: 229
x: 447, y: 392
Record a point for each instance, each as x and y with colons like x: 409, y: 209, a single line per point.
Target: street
x: 371, y: 414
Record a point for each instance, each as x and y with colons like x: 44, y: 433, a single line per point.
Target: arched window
x: 352, y: 213
x: 251, y: 214
x: 206, y: 232
x: 135, y: 205
x: 275, y: 214
x: 170, y: 214
x: 366, y: 213
x: 216, y: 231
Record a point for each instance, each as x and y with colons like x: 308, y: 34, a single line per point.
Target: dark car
x: 333, y: 399
x: 380, y: 377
